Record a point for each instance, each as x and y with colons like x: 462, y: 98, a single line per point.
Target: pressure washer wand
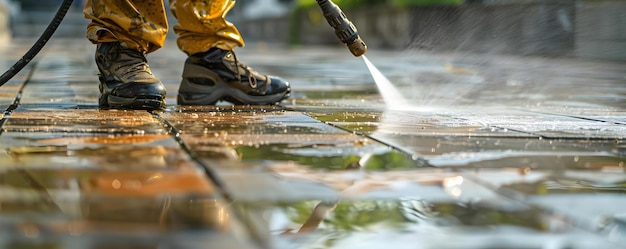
x: 344, y: 29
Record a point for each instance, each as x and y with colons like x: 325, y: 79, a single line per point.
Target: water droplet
x: 116, y: 184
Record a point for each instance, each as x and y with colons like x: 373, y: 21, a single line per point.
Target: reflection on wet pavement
x: 82, y: 121
x: 53, y: 204
x: 414, y: 223
x: 256, y: 134
x: 330, y: 168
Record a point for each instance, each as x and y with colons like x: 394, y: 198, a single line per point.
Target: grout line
x: 212, y: 175
x: 416, y: 158
x: 37, y: 186
x: 18, y: 97
x: 34, y: 184
x: 175, y: 133
x: 579, y: 117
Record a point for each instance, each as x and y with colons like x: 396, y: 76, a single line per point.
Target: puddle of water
x: 157, y: 222
x: 92, y: 202
x: 499, y: 152
x: 565, y: 185
x: 507, y: 157
x: 348, y: 117
x: 218, y: 129
x: 86, y: 156
x: 331, y: 224
x: 142, y: 139
x: 83, y: 121
x: 319, y: 156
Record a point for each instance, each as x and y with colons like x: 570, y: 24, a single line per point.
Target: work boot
x: 215, y: 75
x: 126, y: 81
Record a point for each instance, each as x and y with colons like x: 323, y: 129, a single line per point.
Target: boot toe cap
x: 278, y: 85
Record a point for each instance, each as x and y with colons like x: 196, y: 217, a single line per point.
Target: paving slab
x: 8, y: 92
x: 490, y: 152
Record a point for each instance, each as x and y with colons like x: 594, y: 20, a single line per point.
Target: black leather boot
x: 216, y: 75
x: 126, y: 81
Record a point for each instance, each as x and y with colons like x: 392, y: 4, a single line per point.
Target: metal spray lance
x: 344, y: 29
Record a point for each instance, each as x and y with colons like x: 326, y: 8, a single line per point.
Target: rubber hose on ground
x: 41, y: 42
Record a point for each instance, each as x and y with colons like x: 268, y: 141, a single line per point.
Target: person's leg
x: 202, y: 25
x: 212, y: 71
x: 124, y: 31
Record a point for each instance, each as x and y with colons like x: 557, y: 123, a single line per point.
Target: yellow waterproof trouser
x: 142, y: 24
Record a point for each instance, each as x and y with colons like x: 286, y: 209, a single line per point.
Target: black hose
x: 41, y: 42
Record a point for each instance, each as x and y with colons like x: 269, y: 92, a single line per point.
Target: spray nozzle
x: 344, y: 29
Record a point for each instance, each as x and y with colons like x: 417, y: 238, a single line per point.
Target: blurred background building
x: 592, y: 29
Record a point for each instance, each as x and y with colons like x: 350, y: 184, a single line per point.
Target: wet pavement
x: 493, y: 152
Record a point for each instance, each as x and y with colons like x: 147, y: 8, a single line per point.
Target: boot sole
x: 136, y: 103
x: 230, y: 94
x: 139, y: 102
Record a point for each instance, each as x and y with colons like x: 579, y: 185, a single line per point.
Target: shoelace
x: 252, y: 81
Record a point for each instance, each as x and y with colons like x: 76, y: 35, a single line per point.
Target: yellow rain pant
x: 142, y: 24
